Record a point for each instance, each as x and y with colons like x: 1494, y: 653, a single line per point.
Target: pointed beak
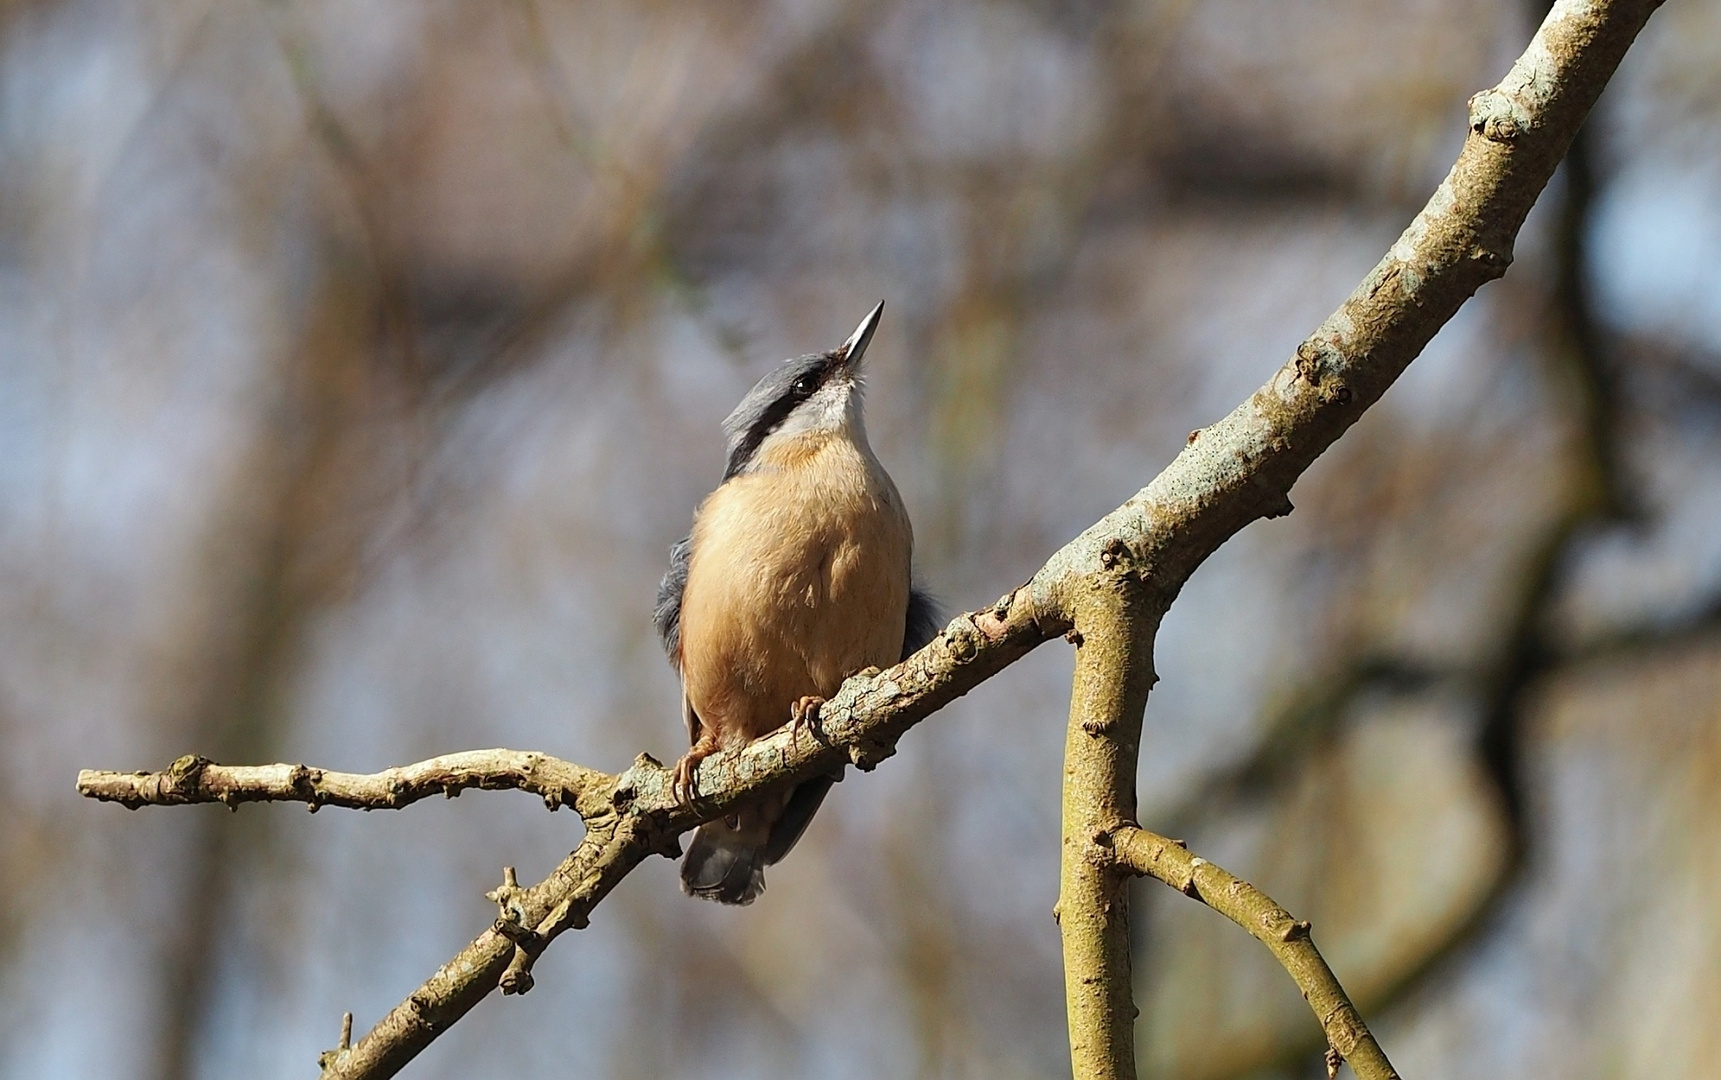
x: 855, y: 346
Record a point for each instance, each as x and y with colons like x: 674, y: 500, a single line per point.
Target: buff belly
x: 799, y: 578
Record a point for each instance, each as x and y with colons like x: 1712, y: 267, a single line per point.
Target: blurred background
x: 360, y: 361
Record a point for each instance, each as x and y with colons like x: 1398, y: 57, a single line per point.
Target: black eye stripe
x: 768, y: 405
x: 768, y: 422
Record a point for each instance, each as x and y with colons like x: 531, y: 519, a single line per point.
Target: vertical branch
x: 1113, y: 636
x: 298, y: 552
x: 1598, y: 490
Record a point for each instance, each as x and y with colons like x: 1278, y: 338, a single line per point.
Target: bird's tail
x: 726, y: 860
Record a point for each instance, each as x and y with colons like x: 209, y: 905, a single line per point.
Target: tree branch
x: 193, y: 779
x: 634, y: 815
x: 1231, y: 473
x: 1287, y: 939
x: 1113, y: 636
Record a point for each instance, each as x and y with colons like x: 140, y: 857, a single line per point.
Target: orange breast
x: 799, y: 578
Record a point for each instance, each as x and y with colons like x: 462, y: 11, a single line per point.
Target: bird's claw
x: 802, y: 715
x: 681, y: 781
x: 684, y: 778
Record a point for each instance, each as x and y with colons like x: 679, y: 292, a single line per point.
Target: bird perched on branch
x: 796, y: 575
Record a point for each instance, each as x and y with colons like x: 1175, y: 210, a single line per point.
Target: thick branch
x: 1287, y: 939
x: 1233, y: 472
x: 1113, y: 636
x: 194, y: 779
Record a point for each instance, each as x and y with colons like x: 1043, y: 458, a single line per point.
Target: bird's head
x: 807, y: 397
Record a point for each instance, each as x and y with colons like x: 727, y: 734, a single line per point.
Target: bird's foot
x: 684, y: 778
x: 802, y: 715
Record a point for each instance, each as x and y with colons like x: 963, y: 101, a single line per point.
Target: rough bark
x: 193, y: 779
x: 1113, y: 636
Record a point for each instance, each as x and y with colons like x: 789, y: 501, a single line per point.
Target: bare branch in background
x: 1312, y: 717
x: 1598, y: 489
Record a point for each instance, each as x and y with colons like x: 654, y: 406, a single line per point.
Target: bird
x: 797, y: 573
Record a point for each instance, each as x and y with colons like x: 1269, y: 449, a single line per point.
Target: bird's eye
x: 805, y: 385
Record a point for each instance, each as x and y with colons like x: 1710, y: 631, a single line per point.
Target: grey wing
x: 667, y: 618
x: 803, y: 803
x: 667, y: 615
x: 923, y: 621
x: 690, y: 718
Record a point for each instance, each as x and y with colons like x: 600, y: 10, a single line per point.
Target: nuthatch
x: 796, y: 575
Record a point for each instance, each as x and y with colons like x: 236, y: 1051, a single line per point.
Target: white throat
x: 834, y: 411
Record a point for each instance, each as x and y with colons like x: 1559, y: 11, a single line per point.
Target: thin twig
x: 193, y: 779
x: 1285, y: 937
